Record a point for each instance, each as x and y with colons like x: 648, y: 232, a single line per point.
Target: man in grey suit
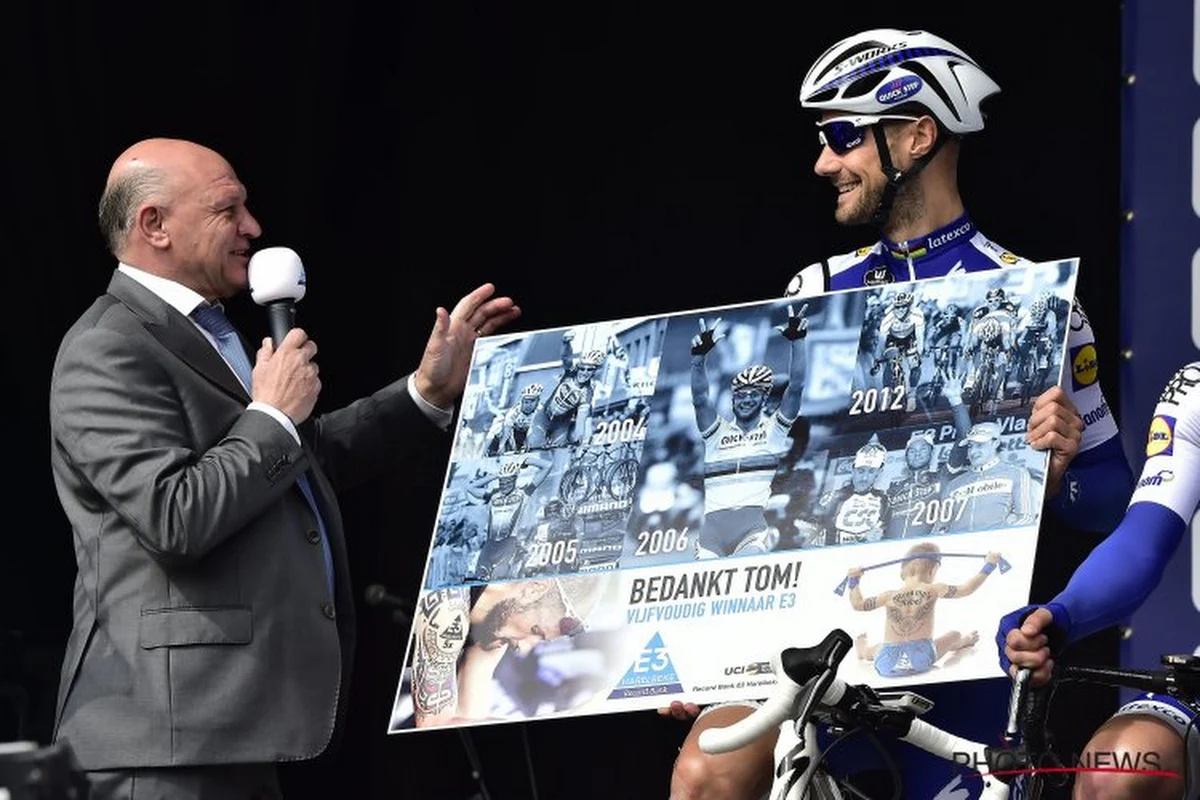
x: 213, y: 614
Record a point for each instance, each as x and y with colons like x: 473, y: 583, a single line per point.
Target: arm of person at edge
x: 1119, y: 574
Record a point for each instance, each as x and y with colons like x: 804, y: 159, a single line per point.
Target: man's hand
x: 1027, y: 645
x: 952, y: 388
x: 442, y: 374
x: 287, y: 378
x: 992, y: 558
x: 680, y: 711
x: 707, y: 338
x: 1055, y: 425
x: 796, y: 326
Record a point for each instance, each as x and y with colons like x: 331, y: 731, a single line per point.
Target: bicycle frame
x: 809, y: 693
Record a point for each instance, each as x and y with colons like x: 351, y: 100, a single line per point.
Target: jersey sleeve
x: 809, y: 282
x: 1122, y: 571
x: 1098, y: 483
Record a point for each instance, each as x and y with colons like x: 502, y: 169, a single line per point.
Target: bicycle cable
x: 870, y: 735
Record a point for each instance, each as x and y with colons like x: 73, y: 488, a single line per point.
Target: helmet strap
x: 894, y: 176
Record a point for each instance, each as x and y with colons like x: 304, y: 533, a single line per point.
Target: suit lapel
x: 176, y: 333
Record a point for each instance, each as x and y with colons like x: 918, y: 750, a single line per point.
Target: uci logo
x: 1083, y: 366
x: 1161, y: 437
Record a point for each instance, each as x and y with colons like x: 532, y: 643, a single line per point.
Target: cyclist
x: 892, y: 155
x: 742, y: 452
x: 1111, y: 583
x: 509, y: 430
x: 506, y: 508
x: 858, y: 511
x: 1036, y: 326
x: 947, y: 329
x: 915, y: 494
x: 991, y: 494
x: 564, y: 417
x: 990, y: 338
x: 903, y: 327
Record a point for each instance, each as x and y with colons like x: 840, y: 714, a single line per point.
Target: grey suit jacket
x: 203, y: 630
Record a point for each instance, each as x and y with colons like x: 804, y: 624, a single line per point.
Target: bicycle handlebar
x: 808, y: 685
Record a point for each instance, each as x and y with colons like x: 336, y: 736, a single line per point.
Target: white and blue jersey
x: 1096, y: 487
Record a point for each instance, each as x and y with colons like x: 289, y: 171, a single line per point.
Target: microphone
x: 277, y: 281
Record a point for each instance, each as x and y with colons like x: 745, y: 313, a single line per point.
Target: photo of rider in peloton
x: 909, y: 646
x: 900, y: 346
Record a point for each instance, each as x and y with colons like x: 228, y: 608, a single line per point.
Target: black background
x: 595, y: 160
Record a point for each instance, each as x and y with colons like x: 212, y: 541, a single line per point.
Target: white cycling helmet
x: 756, y: 376
x: 876, y: 71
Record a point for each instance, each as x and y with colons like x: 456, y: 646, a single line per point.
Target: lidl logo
x: 1161, y: 440
x: 651, y: 673
x: 1083, y: 366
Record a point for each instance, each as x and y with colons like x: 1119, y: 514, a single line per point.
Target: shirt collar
x: 174, y: 294
x: 955, y: 233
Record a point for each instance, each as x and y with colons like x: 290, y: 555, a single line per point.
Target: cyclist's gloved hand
x: 1031, y: 637
x: 796, y: 326
x: 707, y: 338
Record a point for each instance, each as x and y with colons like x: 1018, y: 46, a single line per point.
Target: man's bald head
x: 177, y: 209
x: 150, y: 171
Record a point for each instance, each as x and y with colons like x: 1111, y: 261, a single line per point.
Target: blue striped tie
x: 212, y: 318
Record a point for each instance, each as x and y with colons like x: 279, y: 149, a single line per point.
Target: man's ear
x: 925, y: 133
x: 149, y: 224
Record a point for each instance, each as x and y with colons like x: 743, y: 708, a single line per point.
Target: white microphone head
x: 276, y: 273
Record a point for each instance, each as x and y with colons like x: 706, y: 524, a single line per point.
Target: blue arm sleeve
x: 1096, y: 489
x: 1121, y: 572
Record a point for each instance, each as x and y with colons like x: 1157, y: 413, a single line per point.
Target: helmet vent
x: 864, y: 85
x: 934, y: 84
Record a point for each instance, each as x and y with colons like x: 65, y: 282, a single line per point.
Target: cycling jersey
x: 739, y: 465
x: 508, y: 432
x: 1098, y: 482
x: 914, y: 497
x: 1123, y: 569
x: 995, y: 495
x: 855, y: 516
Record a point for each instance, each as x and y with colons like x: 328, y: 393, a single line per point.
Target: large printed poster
x: 645, y: 510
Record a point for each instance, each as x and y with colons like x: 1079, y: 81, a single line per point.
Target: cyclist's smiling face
x: 747, y: 403
x: 979, y: 453
x: 857, y: 175
x: 918, y: 454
